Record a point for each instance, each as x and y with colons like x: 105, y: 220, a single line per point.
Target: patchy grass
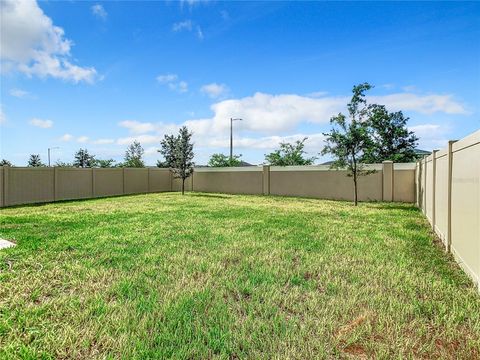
x: 219, y: 276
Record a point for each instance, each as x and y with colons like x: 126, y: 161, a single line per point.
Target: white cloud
x: 182, y: 25
x: 66, y: 137
x: 314, y: 142
x: 188, y: 25
x: 268, y: 119
x: 214, y: 90
x: 44, y: 124
x: 137, y: 127
x: 99, y: 11
x: 143, y: 139
x: 424, y: 104
x: 266, y: 113
x: 431, y: 136
x: 182, y: 86
x: 82, y: 139
x: 171, y: 80
x: 18, y: 93
x: 200, y: 33
x: 104, y: 141
x: 33, y: 45
x: 167, y: 78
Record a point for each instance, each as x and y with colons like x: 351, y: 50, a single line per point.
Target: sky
x: 99, y: 75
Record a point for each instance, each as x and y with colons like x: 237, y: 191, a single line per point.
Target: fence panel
x: 404, y: 182
x: 108, y: 182
x: 28, y: 185
x: 441, y: 195
x: 465, y: 227
x: 135, y: 181
x: 159, y: 180
x: 73, y: 183
x: 324, y: 183
x: 246, y: 180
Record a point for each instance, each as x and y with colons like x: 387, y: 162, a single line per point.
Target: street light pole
x: 56, y: 147
x: 231, y: 137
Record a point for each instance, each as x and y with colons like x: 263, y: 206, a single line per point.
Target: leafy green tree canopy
x: 134, y: 156
x: 391, y: 139
x: 83, y: 159
x: 221, y: 160
x: 5, y: 163
x: 178, y: 154
x: 349, y: 139
x: 290, y: 154
x: 105, y: 163
x: 35, y: 161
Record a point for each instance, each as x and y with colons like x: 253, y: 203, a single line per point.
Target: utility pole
x: 56, y: 147
x: 231, y: 137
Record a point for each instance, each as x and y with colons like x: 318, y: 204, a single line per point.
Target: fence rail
x: 448, y: 192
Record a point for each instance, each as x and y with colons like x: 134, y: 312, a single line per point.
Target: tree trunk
x: 183, y: 186
x: 355, y: 194
x: 354, y: 173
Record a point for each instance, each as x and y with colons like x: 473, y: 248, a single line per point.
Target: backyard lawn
x: 225, y: 276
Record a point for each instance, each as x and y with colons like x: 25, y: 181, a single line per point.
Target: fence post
x: 424, y: 207
x: 93, y: 182
x: 266, y: 179
x: 387, y: 172
x: 449, y: 196
x: 434, y: 179
x: 55, y: 183
x: 123, y: 175
x: 5, y: 185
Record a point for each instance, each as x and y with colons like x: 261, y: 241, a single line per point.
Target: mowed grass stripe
x: 224, y: 276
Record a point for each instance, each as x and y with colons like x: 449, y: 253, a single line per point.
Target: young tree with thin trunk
x: 349, y: 139
x: 35, y: 161
x: 178, y: 154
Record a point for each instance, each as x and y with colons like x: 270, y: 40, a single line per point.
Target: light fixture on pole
x: 52, y: 148
x: 231, y: 137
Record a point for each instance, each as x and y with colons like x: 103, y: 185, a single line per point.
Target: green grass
x: 222, y: 276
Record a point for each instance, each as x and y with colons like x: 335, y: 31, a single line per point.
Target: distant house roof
x: 328, y: 163
x: 422, y: 152
x: 244, y: 163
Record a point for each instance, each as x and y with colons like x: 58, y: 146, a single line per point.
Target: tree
x: 35, y: 161
x: 83, y: 159
x: 290, y: 154
x: 133, y: 156
x: 391, y: 138
x: 349, y: 139
x: 107, y: 163
x: 5, y: 163
x: 221, y: 160
x: 178, y: 154
x: 168, y: 151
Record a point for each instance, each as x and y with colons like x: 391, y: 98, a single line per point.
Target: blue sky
x: 98, y: 75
